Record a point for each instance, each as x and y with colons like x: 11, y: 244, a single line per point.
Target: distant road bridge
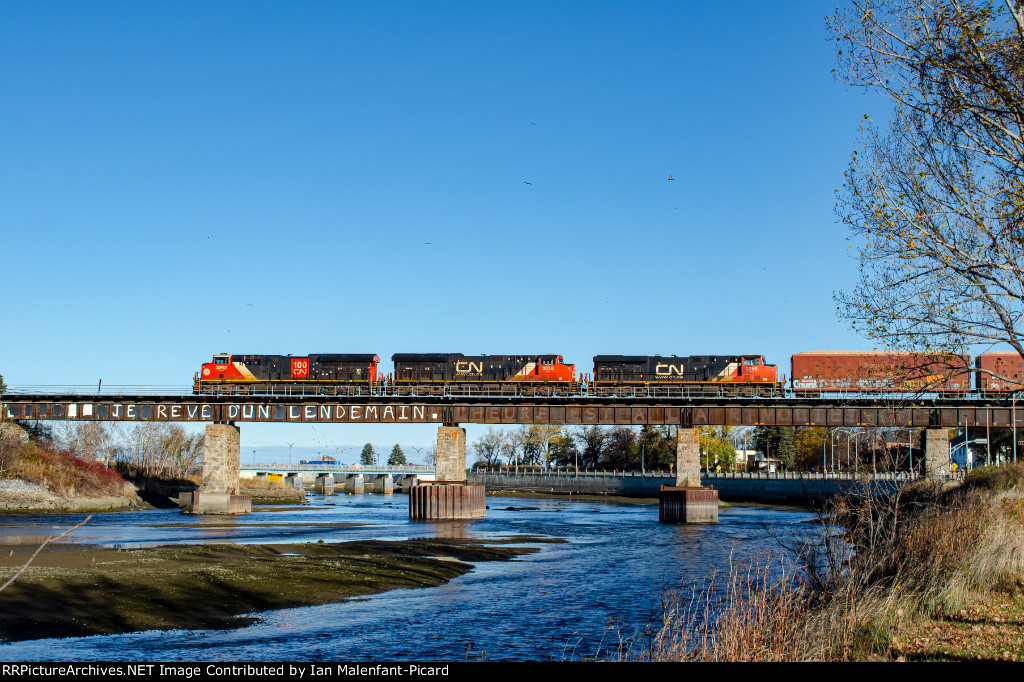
x: 336, y: 467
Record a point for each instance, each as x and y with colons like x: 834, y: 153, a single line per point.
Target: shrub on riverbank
x: 876, y: 565
x: 60, y: 472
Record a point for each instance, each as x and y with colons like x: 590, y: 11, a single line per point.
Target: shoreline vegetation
x: 925, y: 574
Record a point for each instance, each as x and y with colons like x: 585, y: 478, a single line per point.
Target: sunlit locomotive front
x: 684, y: 375
x: 321, y: 373
x: 455, y: 373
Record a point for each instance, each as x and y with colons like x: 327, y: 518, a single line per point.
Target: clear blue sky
x: 185, y: 178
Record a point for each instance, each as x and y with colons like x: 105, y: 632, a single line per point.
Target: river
x: 556, y: 604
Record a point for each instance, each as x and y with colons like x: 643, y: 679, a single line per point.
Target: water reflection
x: 544, y: 605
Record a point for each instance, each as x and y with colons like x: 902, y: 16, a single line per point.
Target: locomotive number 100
x: 300, y: 368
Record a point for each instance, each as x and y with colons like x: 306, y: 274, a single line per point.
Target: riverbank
x: 17, y: 495
x: 925, y: 573
x: 70, y: 591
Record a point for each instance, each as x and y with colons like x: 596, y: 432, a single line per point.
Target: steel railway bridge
x: 635, y: 407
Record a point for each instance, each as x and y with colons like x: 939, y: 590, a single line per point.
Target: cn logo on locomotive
x: 300, y: 368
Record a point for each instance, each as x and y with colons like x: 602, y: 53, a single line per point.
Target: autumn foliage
x: 61, y: 472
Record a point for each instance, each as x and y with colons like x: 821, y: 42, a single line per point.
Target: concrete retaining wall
x: 755, y: 487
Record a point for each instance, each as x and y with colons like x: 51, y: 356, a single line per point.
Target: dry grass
x: 876, y: 567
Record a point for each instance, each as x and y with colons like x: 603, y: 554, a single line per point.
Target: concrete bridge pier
x: 687, y: 501
x: 324, y: 484
x: 450, y: 496
x: 404, y: 481
x: 936, y: 452
x: 355, y: 484
x: 293, y: 480
x: 218, y: 493
x: 383, y: 484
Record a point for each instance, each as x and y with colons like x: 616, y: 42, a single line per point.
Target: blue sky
x: 184, y: 178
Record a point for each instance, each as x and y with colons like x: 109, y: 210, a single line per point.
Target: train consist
x: 438, y: 374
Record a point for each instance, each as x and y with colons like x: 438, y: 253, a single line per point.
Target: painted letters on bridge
x: 504, y: 413
x: 247, y: 412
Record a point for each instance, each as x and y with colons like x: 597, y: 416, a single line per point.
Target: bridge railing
x: 101, y: 391
x: 763, y: 475
x: 350, y: 468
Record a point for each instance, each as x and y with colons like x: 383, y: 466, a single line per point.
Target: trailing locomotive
x: 432, y: 373
x: 726, y: 374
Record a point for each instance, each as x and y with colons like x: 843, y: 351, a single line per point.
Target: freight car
x: 320, y: 373
x: 693, y: 374
x: 879, y: 371
x: 999, y: 372
x: 455, y: 373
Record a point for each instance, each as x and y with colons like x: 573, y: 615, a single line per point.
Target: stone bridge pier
x: 687, y: 501
x: 935, y: 443
x: 449, y: 496
x: 218, y: 493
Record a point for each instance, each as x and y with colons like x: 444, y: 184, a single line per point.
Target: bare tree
x: 157, y: 449
x: 935, y: 204
x: 89, y: 440
x: 490, y: 446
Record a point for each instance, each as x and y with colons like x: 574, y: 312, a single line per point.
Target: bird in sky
x: 527, y: 183
x: 670, y: 177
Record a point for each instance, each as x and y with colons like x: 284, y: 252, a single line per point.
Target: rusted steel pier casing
x: 687, y: 504
x: 448, y: 500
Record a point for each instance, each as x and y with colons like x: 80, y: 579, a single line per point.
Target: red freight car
x: 868, y: 371
x: 999, y: 372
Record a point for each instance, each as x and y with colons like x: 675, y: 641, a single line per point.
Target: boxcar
x: 869, y: 371
x: 1008, y: 369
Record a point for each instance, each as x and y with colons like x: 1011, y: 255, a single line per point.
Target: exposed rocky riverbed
x: 73, y: 591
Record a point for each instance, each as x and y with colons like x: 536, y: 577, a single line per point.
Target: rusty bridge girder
x: 762, y: 411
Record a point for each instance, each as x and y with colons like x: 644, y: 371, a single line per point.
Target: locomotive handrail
x: 507, y: 391
x: 94, y: 390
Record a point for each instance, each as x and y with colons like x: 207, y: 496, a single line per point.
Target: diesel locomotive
x: 328, y: 373
x: 438, y: 374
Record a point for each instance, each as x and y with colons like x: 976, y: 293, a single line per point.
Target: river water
x: 556, y: 604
